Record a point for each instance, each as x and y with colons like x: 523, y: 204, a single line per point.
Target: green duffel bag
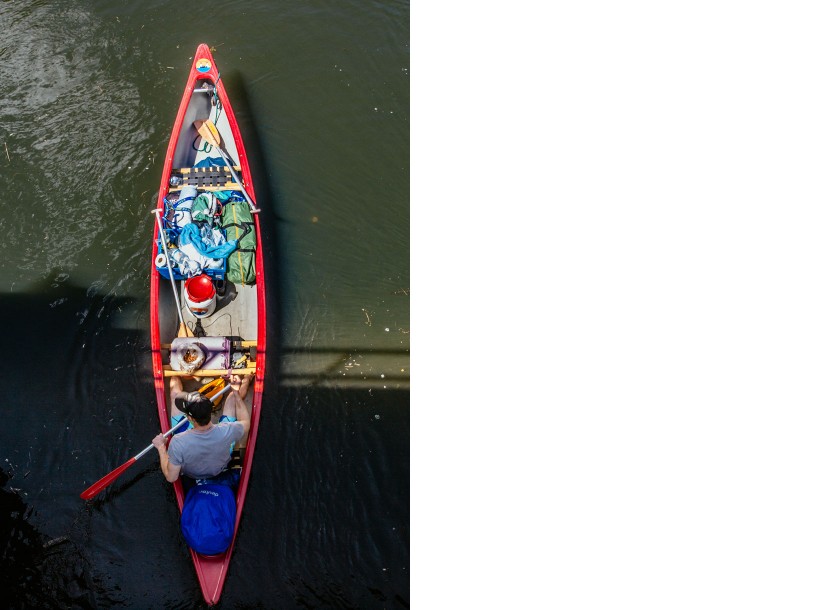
x: 238, y: 224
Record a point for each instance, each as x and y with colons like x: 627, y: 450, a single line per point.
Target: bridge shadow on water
x: 64, y: 355
x: 326, y: 524
x: 327, y: 519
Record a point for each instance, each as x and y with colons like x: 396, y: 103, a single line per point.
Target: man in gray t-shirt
x: 204, y: 450
x: 202, y: 454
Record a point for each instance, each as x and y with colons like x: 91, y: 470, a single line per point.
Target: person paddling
x: 203, y: 451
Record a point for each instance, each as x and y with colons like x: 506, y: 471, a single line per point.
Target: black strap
x: 243, y: 226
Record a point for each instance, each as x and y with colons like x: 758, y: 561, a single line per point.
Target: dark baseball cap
x: 194, y: 404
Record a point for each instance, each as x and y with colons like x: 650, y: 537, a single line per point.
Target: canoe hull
x: 211, y: 571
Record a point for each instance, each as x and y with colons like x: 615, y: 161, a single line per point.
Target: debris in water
x: 55, y: 541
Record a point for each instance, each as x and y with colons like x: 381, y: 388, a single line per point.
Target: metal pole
x: 163, y: 244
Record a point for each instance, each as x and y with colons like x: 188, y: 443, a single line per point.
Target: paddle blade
x: 106, y: 480
x: 208, y: 131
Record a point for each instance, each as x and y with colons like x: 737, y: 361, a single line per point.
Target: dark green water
x: 89, y: 93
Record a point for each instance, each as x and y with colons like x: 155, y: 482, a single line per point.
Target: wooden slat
x: 168, y: 372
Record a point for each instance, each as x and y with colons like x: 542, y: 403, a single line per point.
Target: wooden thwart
x: 249, y: 369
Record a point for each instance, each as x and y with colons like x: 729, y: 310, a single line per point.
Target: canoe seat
x: 205, y: 178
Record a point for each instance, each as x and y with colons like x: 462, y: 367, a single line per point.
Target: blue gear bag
x: 208, y: 518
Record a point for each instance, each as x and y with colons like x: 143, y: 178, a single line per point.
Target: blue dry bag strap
x: 180, y: 201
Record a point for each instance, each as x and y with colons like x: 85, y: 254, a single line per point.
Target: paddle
x: 183, y: 330
x: 114, y: 474
x: 208, y: 131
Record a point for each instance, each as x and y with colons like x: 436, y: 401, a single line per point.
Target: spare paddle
x: 208, y: 131
x: 114, y: 474
x: 208, y: 388
x: 183, y: 330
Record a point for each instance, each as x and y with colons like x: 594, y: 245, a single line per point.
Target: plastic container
x: 200, y: 295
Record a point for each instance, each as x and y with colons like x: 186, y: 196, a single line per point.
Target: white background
x: 625, y: 250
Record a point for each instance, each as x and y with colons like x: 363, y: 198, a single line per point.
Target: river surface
x: 89, y: 93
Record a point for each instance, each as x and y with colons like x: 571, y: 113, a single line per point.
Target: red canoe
x: 229, y: 326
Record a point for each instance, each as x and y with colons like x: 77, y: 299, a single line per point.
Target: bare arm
x: 170, y: 470
x: 235, y: 405
x: 175, y: 388
x: 242, y: 414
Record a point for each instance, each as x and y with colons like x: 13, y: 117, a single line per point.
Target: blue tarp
x: 191, y: 234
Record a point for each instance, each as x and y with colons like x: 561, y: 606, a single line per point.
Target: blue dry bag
x: 208, y: 518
